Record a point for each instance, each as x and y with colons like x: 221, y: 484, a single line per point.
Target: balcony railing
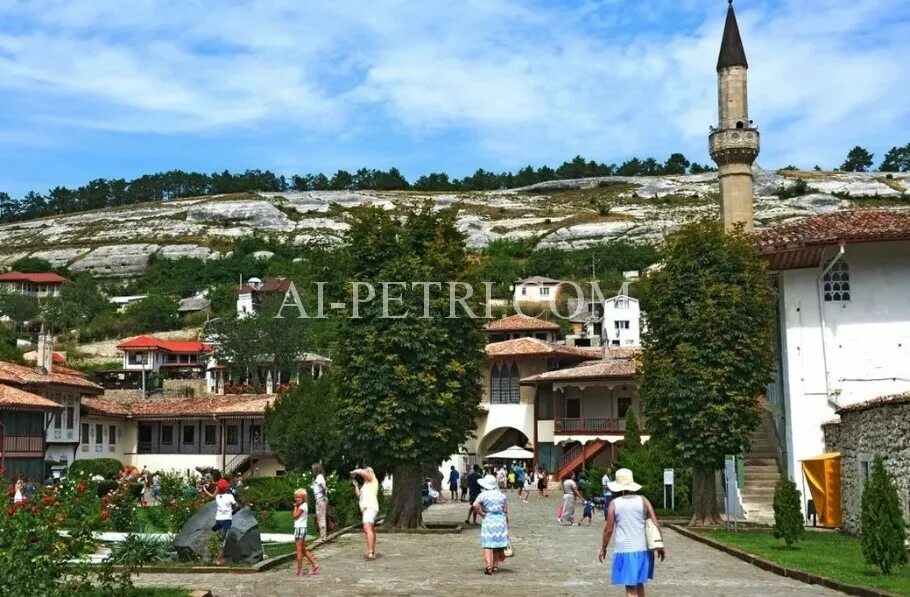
x: 590, y: 425
x: 22, y: 443
x: 254, y: 448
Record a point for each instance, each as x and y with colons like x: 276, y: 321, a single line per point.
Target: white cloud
x: 530, y: 82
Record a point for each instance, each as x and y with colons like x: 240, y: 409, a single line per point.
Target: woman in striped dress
x: 633, y: 563
x: 493, y: 507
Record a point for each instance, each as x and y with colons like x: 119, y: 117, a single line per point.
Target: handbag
x: 652, y: 534
x: 508, y: 551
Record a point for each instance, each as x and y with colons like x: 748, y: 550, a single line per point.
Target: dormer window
x: 837, y: 283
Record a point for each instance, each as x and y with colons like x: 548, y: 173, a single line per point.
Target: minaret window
x: 504, y: 388
x: 837, y: 283
x: 739, y: 124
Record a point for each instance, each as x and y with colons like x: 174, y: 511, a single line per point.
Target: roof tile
x: 19, y: 375
x: 15, y: 399
x: 519, y: 322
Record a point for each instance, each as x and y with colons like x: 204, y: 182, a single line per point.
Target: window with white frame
x: 837, y: 283
x: 544, y: 292
x: 621, y: 304
x: 621, y: 324
x: 111, y: 436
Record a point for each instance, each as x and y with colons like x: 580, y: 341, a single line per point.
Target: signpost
x: 668, y: 480
x: 731, y: 490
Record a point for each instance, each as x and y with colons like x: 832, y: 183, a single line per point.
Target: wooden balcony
x: 589, y: 425
x: 15, y: 445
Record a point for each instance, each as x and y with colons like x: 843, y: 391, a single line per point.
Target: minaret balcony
x: 734, y: 145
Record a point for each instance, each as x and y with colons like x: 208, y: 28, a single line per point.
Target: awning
x: 515, y: 452
x: 822, y: 474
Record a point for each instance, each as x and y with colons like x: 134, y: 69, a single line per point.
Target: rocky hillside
x: 117, y: 243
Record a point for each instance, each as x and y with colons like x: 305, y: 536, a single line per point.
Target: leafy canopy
x: 409, y: 387
x: 858, y: 160
x: 708, y: 345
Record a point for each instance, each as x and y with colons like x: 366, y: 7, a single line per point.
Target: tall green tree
x: 79, y: 302
x: 20, y: 308
x: 409, y: 385
x: 897, y: 160
x: 858, y: 160
x: 882, y: 525
x: 305, y: 426
x: 156, y: 312
x: 632, y: 436
x: 707, y: 350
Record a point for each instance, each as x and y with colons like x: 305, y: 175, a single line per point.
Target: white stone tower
x: 734, y: 142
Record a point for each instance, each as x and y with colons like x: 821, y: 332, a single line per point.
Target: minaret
x: 734, y: 143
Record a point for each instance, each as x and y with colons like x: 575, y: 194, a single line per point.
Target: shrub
x: 109, y: 468
x: 141, y: 549
x: 882, y: 523
x: 102, y: 488
x: 788, y: 518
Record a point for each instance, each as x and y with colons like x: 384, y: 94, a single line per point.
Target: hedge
x: 109, y: 468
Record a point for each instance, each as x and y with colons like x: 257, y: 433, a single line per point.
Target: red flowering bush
x: 36, y: 559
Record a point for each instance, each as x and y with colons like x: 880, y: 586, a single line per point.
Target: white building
x: 621, y: 321
x: 38, y: 285
x: 843, y: 284
x: 251, y: 295
x: 536, y: 289
x: 154, y: 354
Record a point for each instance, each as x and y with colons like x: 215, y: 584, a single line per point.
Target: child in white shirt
x: 300, y: 513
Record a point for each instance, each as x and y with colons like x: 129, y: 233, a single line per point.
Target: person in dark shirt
x: 474, y: 490
x: 453, y: 483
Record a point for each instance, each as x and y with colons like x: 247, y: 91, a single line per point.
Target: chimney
x: 44, y: 359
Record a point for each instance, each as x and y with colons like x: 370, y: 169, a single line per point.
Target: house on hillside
x: 520, y: 326
x: 66, y: 390
x: 585, y: 321
x: 621, y: 321
x: 843, y: 321
x: 147, y: 358
x: 536, y: 289
x: 23, y: 441
x: 221, y: 432
x: 194, y: 304
x: 251, y: 295
x: 37, y: 285
x: 124, y: 301
x: 221, y: 378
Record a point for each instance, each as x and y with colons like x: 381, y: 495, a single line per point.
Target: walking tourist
x: 453, y: 482
x: 473, y: 491
x: 528, y: 481
x: 321, y: 498
x: 501, y: 477
x: 493, y: 507
x: 156, y: 486
x: 607, y: 494
x: 368, y: 492
x: 569, y: 493
x: 542, y: 482
x: 225, y: 504
x: 300, y: 514
x: 633, y: 562
x: 463, y: 483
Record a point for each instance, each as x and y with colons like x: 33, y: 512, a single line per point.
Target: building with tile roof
x: 38, y: 285
x: 22, y: 436
x: 535, y: 289
x: 520, y: 326
x: 843, y: 321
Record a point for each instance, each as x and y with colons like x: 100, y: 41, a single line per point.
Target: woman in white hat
x: 633, y: 562
x: 493, y: 507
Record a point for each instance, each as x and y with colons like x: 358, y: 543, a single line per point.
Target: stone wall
x: 879, y: 427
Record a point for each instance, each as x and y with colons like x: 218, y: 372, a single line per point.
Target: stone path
x: 549, y: 559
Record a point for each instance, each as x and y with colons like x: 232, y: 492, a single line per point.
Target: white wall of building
x: 622, y: 321
x: 866, y: 342
x: 245, y: 304
x: 534, y: 293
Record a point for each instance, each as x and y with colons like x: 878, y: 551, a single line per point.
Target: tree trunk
x: 405, y: 508
x: 704, y: 499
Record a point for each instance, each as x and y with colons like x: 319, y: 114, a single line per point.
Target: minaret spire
x: 732, y: 52
x: 734, y: 143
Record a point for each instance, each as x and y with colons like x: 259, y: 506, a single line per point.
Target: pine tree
x: 788, y: 519
x: 883, y: 526
x: 632, y: 438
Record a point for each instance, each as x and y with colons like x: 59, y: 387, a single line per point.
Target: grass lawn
x: 830, y: 554
x: 270, y: 550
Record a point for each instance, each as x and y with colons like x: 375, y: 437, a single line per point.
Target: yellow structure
x: 823, y: 477
x: 734, y: 142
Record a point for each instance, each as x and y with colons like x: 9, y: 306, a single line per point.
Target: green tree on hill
x: 632, y: 435
x: 883, y: 528
x: 858, y: 160
x: 700, y: 391
x: 897, y: 160
x: 409, y: 387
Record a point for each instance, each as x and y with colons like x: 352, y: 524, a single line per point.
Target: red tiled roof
x: 524, y: 347
x: 15, y: 399
x: 875, y: 402
x: 20, y: 375
x: 799, y: 243
x: 36, y: 278
x: 606, y: 369
x: 33, y: 356
x: 268, y: 286
x: 519, y: 322
x: 153, y: 343
x: 208, y: 405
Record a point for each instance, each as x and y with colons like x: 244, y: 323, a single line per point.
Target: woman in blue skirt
x: 633, y: 563
x: 493, y: 507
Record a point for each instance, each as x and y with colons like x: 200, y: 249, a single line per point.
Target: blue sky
x: 107, y: 88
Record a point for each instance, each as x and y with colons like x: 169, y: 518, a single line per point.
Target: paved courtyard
x: 549, y: 560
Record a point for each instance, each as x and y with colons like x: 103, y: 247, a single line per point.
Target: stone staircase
x: 762, y: 472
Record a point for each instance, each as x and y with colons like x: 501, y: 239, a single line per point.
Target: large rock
x: 116, y: 261
x: 242, y: 544
x: 258, y: 214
